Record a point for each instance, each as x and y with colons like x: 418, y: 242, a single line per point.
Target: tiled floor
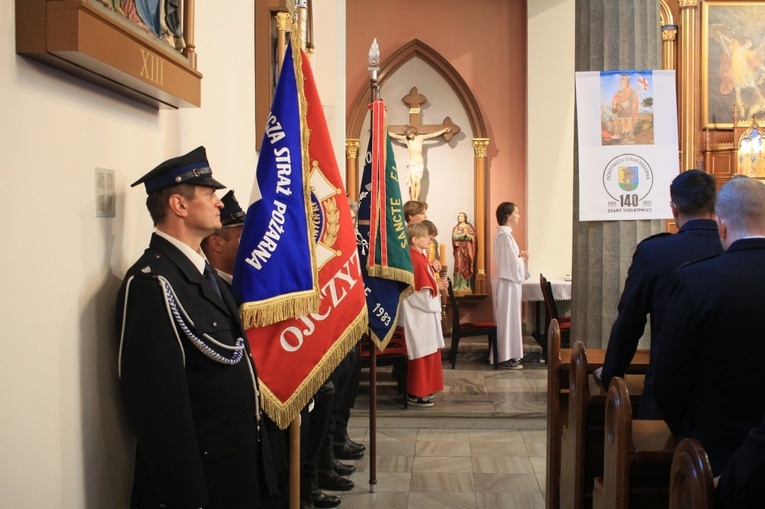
x: 482, y: 445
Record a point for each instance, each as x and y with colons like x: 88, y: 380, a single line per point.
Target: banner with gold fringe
x: 295, y: 356
x: 276, y: 274
x: 382, y: 241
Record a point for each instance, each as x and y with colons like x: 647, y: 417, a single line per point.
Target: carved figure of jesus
x: 416, y: 164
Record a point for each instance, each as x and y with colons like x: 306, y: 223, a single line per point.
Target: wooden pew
x: 557, y: 409
x: 691, y: 485
x: 559, y: 363
x: 573, y: 438
x: 637, y: 457
x: 582, y: 435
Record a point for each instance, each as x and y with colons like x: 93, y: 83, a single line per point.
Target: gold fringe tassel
x: 278, y: 309
x: 393, y: 273
x: 305, y: 136
x: 283, y: 413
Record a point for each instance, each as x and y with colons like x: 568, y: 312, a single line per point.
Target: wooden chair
x: 691, y: 485
x: 394, y: 355
x: 469, y: 329
x: 551, y: 307
x: 637, y: 457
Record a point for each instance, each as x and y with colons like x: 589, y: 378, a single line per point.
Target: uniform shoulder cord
x: 180, y: 319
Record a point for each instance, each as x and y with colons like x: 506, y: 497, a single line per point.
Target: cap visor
x: 206, y: 181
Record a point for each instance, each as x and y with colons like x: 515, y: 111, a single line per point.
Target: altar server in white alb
x: 506, y: 284
x: 421, y: 311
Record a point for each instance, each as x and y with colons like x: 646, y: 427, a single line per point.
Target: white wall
x: 550, y: 136
x: 65, y: 442
x: 328, y: 66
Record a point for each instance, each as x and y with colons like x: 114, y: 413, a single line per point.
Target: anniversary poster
x: 628, y: 150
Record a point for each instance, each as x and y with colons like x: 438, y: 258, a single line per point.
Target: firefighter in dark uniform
x: 187, y: 379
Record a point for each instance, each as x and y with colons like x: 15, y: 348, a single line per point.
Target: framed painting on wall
x: 733, y: 62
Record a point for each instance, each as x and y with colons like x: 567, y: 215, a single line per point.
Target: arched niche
x: 355, y: 124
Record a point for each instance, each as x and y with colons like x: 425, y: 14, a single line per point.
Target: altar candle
x: 442, y: 247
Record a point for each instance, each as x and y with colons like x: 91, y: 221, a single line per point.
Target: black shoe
x: 347, y: 451
x: 342, y: 468
x: 306, y: 492
x: 322, y: 501
x: 329, y: 480
x: 352, y: 444
x: 341, y: 438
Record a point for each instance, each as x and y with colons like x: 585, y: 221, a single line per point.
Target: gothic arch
x: 418, y: 49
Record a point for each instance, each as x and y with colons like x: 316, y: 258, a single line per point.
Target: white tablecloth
x: 531, y: 291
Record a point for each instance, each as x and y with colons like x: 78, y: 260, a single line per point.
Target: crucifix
x: 414, y: 134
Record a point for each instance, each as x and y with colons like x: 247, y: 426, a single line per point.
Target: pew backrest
x: 572, y: 482
x: 691, y: 485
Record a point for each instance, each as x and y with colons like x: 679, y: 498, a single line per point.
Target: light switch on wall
x: 105, y: 201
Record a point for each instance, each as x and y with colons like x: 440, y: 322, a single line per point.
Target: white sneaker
x: 419, y: 402
x: 511, y: 364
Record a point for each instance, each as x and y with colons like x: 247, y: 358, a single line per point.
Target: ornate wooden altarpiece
x: 712, y: 147
x: 94, y: 41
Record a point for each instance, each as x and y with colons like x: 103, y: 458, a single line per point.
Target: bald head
x: 740, y: 209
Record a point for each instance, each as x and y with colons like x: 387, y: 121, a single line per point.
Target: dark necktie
x: 210, y: 277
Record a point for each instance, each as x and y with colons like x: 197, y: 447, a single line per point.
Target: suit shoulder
x: 151, y: 264
x: 694, y: 263
x: 656, y: 241
x: 654, y: 237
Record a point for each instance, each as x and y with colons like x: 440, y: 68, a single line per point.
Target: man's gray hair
x: 741, y: 202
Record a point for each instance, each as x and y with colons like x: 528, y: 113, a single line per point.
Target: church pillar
x: 610, y: 35
x: 283, y: 25
x: 352, y: 168
x: 480, y: 145
x: 669, y: 46
x: 689, y: 96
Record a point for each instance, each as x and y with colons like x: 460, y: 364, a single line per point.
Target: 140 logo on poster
x: 628, y: 180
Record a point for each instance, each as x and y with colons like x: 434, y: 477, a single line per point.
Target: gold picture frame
x: 733, y: 62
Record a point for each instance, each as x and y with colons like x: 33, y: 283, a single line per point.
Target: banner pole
x: 374, y: 90
x: 373, y: 418
x: 295, y: 463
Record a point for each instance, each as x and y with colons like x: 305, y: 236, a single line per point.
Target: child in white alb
x: 422, y: 323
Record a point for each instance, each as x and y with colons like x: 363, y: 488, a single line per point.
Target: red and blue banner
x: 275, y: 272
x: 304, y: 222
x: 382, y: 241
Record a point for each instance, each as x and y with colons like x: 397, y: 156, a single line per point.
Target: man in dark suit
x: 741, y: 485
x: 220, y: 248
x: 187, y: 379
x: 646, y: 290
x: 708, y: 363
